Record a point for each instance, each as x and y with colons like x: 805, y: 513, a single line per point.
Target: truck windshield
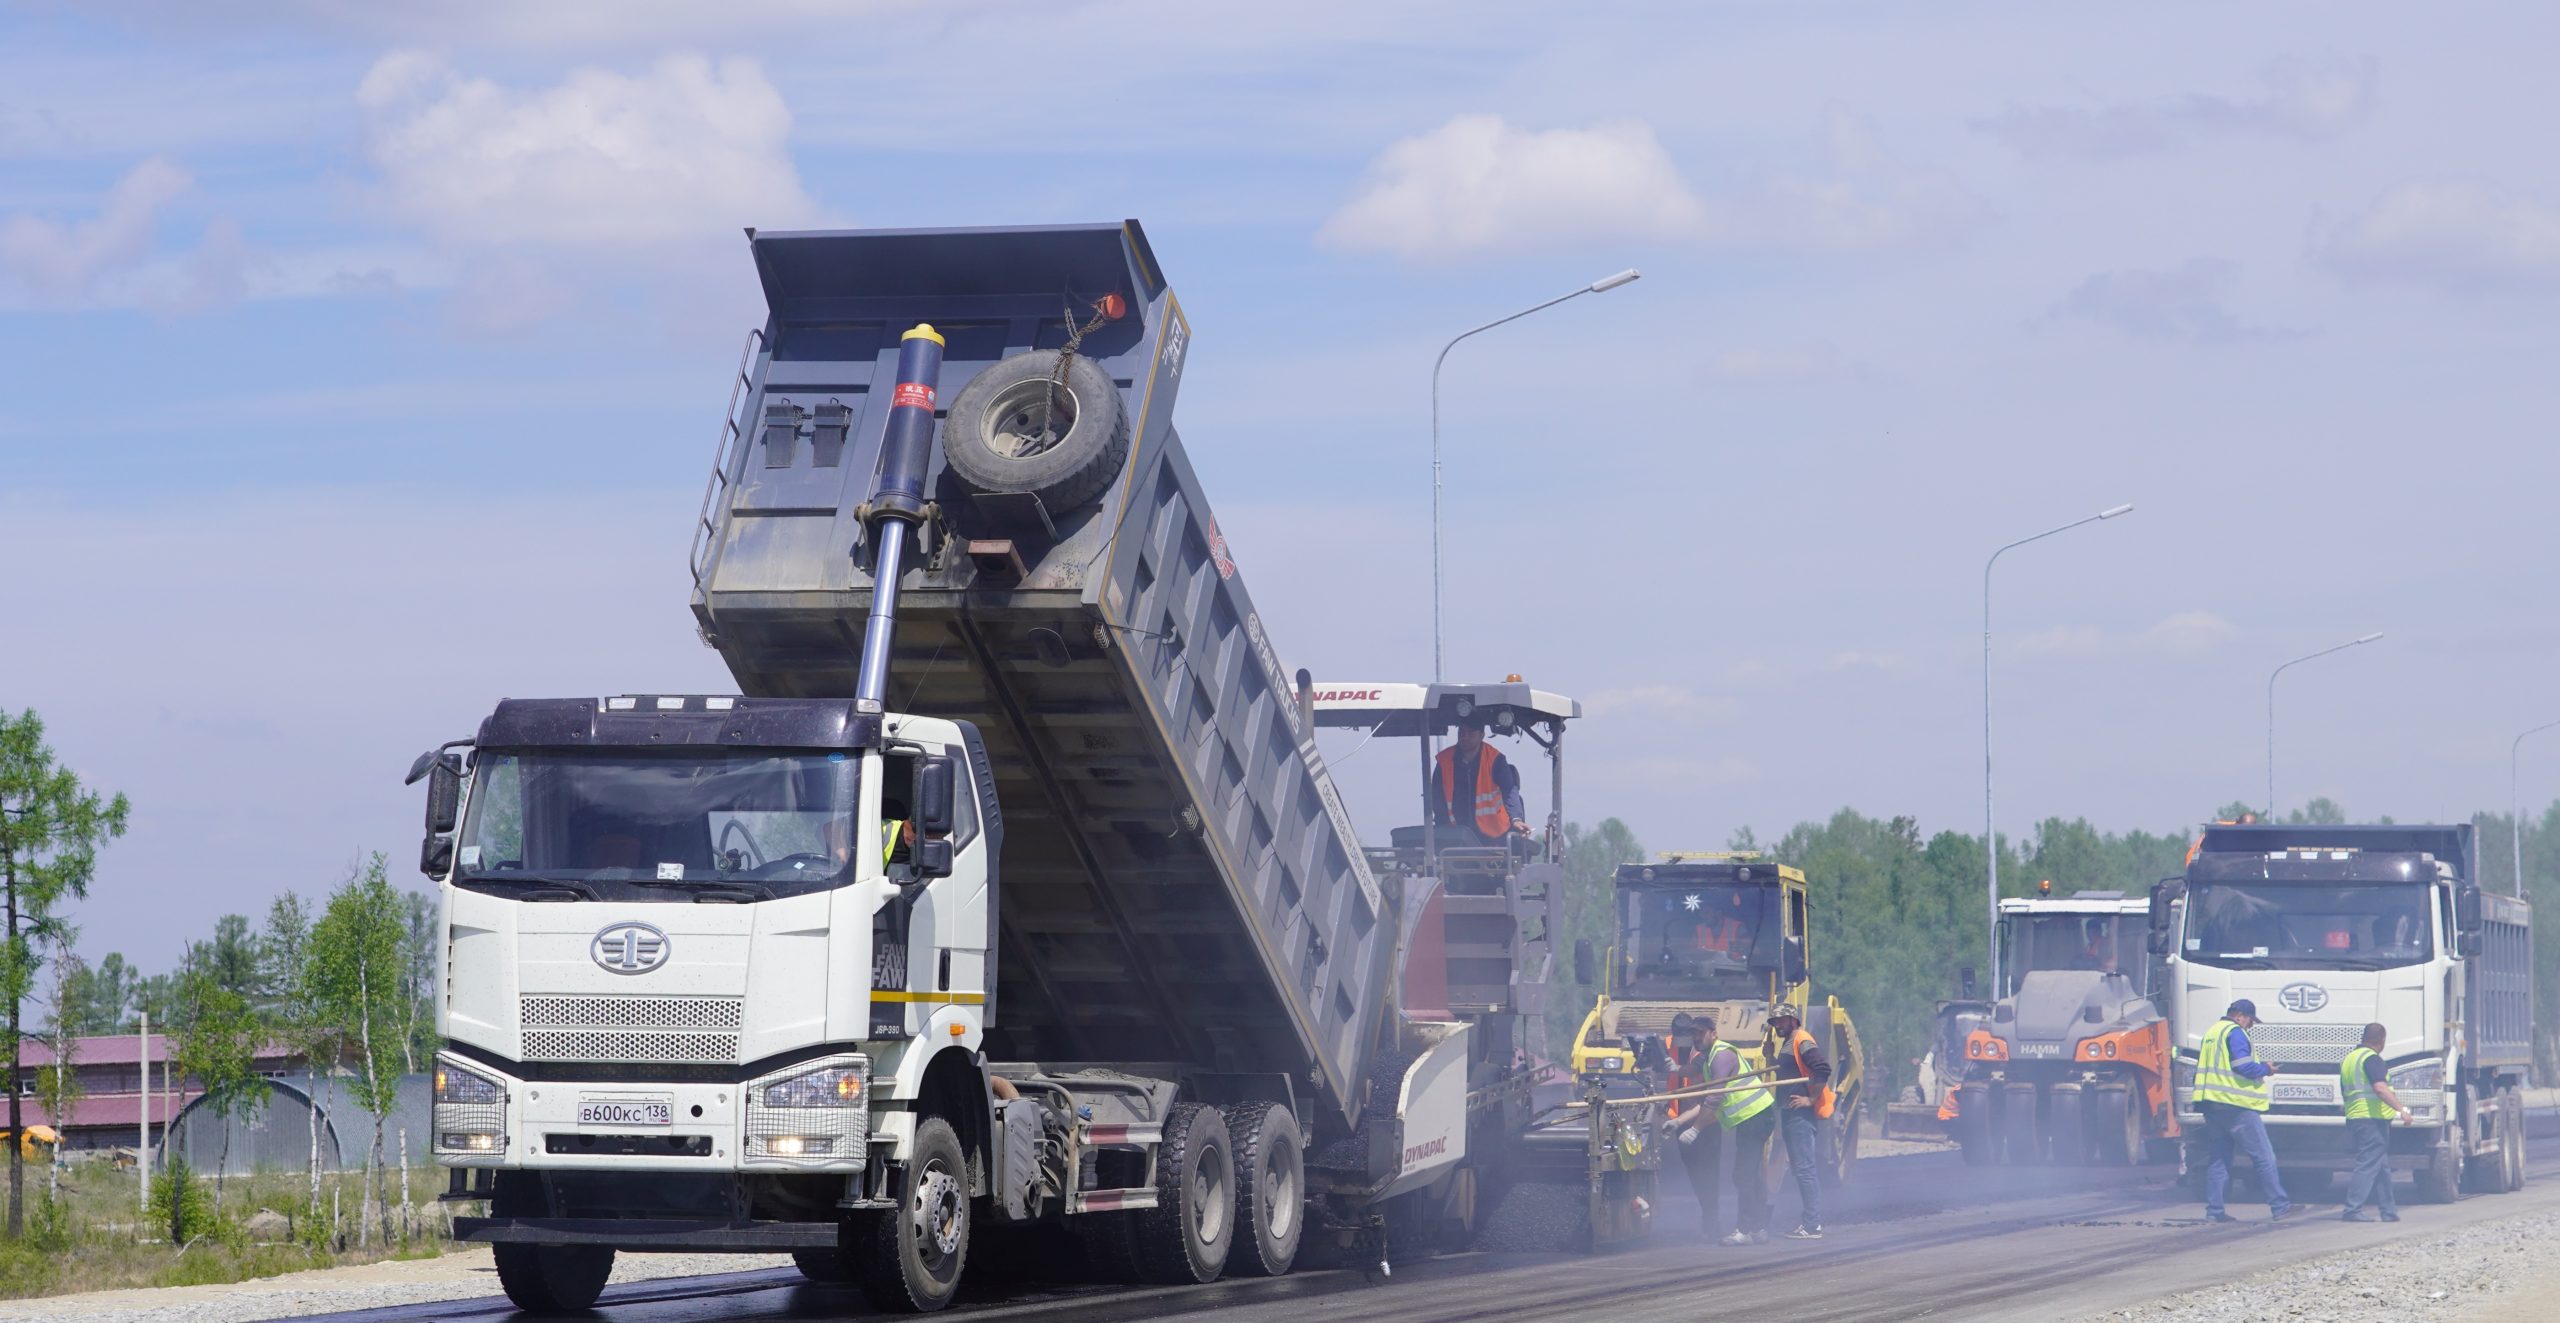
x: 1708, y: 942
x: 2108, y: 943
x: 780, y: 821
x: 2308, y: 925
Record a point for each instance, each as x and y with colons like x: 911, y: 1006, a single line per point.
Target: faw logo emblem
x: 1349, y: 695
x: 2302, y: 998
x: 629, y: 948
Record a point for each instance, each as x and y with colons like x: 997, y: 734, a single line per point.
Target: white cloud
x: 1479, y: 184
x: 1764, y: 365
x: 72, y: 262
x: 687, y: 149
x: 2185, y: 302
x: 2064, y: 641
x: 2190, y: 632
x: 2302, y: 102
x: 2459, y: 236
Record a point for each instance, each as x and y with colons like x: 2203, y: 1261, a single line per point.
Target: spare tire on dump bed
x: 1010, y: 430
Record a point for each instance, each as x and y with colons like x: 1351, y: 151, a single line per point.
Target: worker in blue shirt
x: 2232, y: 1092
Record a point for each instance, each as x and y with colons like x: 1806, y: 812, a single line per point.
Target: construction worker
x: 1693, y: 1049
x: 1747, y: 1115
x: 1475, y: 787
x: 2231, y: 1091
x: 2371, y: 1107
x: 1804, y: 1102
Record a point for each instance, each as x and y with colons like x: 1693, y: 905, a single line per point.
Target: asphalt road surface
x: 1919, y: 1236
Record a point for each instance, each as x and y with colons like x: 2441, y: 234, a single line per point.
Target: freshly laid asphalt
x: 1914, y: 1236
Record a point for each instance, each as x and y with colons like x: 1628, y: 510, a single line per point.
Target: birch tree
x: 357, y: 975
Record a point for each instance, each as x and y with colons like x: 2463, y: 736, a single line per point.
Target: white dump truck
x: 1009, y: 901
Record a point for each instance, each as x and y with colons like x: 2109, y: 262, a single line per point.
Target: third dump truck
x: 2329, y: 928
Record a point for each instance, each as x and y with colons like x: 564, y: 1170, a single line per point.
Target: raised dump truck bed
x: 1180, y: 883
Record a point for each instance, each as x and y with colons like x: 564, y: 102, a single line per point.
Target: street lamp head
x: 1607, y: 283
x: 2126, y: 508
x: 2370, y: 637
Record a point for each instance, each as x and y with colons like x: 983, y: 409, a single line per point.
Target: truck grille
x: 649, y: 1029
x: 2327, y: 1044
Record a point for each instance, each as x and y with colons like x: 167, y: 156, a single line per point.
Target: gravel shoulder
x: 2490, y: 1272
x: 465, y: 1273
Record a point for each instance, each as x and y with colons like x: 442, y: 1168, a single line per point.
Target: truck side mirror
x: 2163, y: 893
x: 2466, y: 913
x: 435, y: 856
x: 931, y: 858
x: 444, y: 796
x: 1793, y: 968
x: 2157, y: 941
x: 1585, y: 968
x: 934, y: 788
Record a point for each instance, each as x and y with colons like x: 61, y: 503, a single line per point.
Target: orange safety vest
x: 1823, y: 1101
x: 1688, y: 1071
x: 1493, y: 817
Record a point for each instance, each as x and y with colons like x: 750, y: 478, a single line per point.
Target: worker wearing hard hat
x: 2232, y: 1092
x: 1805, y: 1100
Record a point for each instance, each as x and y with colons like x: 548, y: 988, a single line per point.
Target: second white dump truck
x: 1009, y: 896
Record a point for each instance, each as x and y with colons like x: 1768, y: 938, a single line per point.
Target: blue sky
x: 360, y: 365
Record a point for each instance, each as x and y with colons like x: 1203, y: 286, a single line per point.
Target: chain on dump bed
x: 1058, y: 371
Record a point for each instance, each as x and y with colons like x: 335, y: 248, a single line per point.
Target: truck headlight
x: 815, y: 1114
x: 2418, y: 1076
x: 470, y: 1112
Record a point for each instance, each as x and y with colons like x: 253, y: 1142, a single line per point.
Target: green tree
x: 357, y: 970
x: 230, y: 958
x: 1581, y: 911
x: 2323, y: 811
x: 216, y: 1043
x: 50, y: 830
x: 58, y: 1082
x: 420, y: 946
x: 294, y: 1013
x: 101, y: 996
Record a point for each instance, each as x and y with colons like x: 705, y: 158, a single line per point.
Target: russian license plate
x: 2301, y: 1093
x: 626, y: 1111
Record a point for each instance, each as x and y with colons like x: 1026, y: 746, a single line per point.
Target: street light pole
x: 2515, y: 802
x: 1990, y: 831
x: 1600, y: 286
x: 2271, y: 708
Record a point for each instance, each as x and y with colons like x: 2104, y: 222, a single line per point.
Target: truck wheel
x: 2019, y: 1128
x: 2117, y: 1125
x: 553, y: 1279
x: 1184, y: 1239
x: 2515, y: 1141
x: 908, y: 1259
x: 1010, y: 431
x: 2066, y: 1124
x: 2440, y: 1181
x: 1271, y: 1189
x: 825, y: 1267
x: 1973, y: 1126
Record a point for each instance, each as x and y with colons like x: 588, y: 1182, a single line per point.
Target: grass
x: 95, y: 1237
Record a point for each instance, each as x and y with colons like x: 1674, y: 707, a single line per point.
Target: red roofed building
x: 108, y: 1114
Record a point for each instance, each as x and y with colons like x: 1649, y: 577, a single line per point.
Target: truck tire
x: 2116, y: 1125
x: 1185, y: 1238
x: 2020, y: 1130
x: 2515, y: 1135
x: 553, y: 1279
x: 1974, y: 1135
x: 826, y: 1267
x: 998, y: 437
x: 2440, y: 1181
x: 2066, y: 1124
x: 908, y: 1260
x: 1271, y: 1189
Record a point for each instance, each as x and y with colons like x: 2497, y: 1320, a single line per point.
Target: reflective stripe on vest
x: 1687, y: 1073
x: 1825, y: 1100
x: 1493, y: 817
x: 2364, y: 1102
x: 2218, y: 1081
x: 1743, y: 1103
x: 889, y: 830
